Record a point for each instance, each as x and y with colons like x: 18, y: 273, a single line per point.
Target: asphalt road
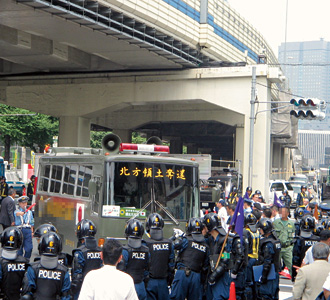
x: 285, y: 289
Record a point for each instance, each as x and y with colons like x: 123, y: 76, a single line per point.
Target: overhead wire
x: 284, y: 92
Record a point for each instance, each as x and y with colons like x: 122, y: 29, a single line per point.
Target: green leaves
x: 29, y: 131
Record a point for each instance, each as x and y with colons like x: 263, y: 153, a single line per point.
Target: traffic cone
x: 285, y: 273
x: 24, y: 191
x: 232, y: 291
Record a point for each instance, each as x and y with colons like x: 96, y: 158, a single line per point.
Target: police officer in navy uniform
x: 136, y: 257
x: 192, y: 262
x: 232, y: 198
x: 161, y: 264
x: 12, y: 265
x: 87, y: 257
x: 269, y: 253
x: 251, y: 234
x: 298, y: 215
x: 287, y: 198
x: 63, y: 258
x: 306, y: 239
x: 218, y: 278
x: 238, y: 263
x: 249, y: 192
x: 47, y: 279
x: 42, y: 229
x: 302, y: 195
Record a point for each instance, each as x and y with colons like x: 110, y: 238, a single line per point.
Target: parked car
x: 299, y: 178
x: 279, y: 186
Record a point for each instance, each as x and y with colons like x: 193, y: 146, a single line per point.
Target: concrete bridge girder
x: 63, y: 96
x: 189, y: 111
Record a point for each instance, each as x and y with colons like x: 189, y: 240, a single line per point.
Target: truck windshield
x: 130, y: 185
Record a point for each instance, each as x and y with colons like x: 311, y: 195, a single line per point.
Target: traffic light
x: 308, y: 108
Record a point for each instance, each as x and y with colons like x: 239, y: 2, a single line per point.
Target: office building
x: 307, y: 69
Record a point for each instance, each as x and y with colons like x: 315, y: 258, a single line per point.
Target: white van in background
x: 279, y: 186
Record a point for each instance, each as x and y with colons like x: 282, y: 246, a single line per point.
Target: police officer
x: 298, y: 215
x: 232, y: 198
x: 87, y: 257
x: 161, y: 265
x: 239, y: 261
x: 318, y: 229
x: 287, y: 198
x: 12, y: 265
x: 324, y: 223
x: 249, y: 192
x: 24, y: 219
x: 247, y: 205
x: 269, y: 253
x: 136, y: 257
x: 303, y: 242
x: 30, y: 188
x: 325, y: 210
x: 63, y: 258
x: 285, y: 231
x: 258, y: 192
x: 42, y: 229
x: 219, y: 278
x: 302, y: 195
x: 192, y: 262
x: 47, y: 279
x: 252, y: 236
x: 3, y: 188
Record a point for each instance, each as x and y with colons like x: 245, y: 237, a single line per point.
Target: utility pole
x: 252, y: 118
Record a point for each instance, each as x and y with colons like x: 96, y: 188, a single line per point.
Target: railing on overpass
x: 229, y: 36
x: 111, y: 22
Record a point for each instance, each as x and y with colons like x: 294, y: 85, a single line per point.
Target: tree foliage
x: 29, y: 131
x: 97, y: 136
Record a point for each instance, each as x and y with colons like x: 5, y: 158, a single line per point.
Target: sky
x: 307, y: 20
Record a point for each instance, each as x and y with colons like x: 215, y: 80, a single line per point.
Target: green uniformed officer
x: 285, y: 230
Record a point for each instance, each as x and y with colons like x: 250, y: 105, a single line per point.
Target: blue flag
x: 246, y: 196
x: 277, y: 202
x: 238, y: 218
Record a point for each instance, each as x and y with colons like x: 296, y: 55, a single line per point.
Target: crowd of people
x: 213, y: 254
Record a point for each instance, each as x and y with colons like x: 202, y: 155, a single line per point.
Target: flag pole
x: 223, y: 247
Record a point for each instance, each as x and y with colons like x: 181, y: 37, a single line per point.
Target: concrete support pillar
x: 239, y: 146
x: 124, y: 134
x: 261, y: 153
x: 277, y: 160
x: 176, y: 146
x: 283, y: 164
x: 74, y: 132
x: 192, y: 149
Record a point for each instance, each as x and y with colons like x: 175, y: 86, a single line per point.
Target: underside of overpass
x: 212, y: 138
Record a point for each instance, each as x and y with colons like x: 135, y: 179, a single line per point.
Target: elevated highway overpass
x: 48, y: 36
x: 144, y: 66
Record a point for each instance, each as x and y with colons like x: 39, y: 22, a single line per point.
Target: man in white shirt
x: 108, y: 282
x: 222, y: 213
